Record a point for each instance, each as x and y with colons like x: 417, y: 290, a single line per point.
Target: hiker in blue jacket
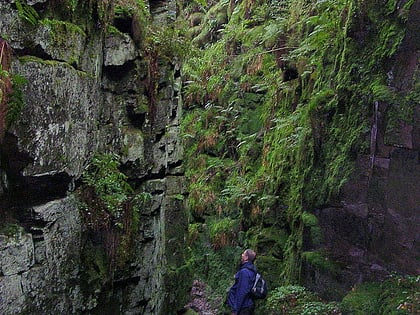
x: 238, y: 297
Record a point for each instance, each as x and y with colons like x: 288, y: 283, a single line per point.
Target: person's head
x: 248, y: 255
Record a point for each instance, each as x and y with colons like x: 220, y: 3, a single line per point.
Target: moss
x: 310, y: 222
x: 11, y: 229
x: 112, y: 30
x: 62, y: 27
x: 309, y: 219
x: 396, y: 295
x: 95, y: 269
x: 321, y: 261
x: 27, y: 59
x: 142, y: 105
x: 223, y: 232
x: 271, y: 268
x: 177, y: 283
x: 268, y: 241
x: 285, y: 100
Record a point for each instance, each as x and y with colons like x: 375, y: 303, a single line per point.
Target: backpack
x: 259, y: 289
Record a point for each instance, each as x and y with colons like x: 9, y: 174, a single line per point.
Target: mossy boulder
x: 268, y: 241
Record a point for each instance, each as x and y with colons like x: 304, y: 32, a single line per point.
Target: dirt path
x: 199, y: 302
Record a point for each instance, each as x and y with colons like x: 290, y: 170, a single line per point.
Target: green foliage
x: 320, y: 308
x: 27, y: 13
x: 214, y: 267
x: 3, y: 73
x: 397, y: 295
x: 297, y: 300
x: 16, y: 101
x: 111, y: 207
x: 168, y: 41
x: 283, y: 91
x: 223, y: 232
x: 320, y: 261
x: 109, y: 183
x: 201, y: 2
x: 11, y: 229
x: 58, y: 28
x: 193, y: 233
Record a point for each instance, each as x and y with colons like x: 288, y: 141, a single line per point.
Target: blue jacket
x: 238, y: 296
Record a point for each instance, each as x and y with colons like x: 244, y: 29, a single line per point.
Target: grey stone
x: 16, y: 253
x: 53, y: 127
x: 88, y: 94
x: 119, y: 48
x: 12, y: 301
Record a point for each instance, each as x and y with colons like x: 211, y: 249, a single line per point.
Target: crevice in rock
x: 27, y: 191
x: 38, y: 52
x: 157, y: 6
x: 117, y: 73
x: 23, y: 192
x: 124, y: 24
x: 160, y: 174
x: 174, y: 165
x: 136, y: 119
x: 158, y: 136
x: 125, y: 282
x: 35, y: 51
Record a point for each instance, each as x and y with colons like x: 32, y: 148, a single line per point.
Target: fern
x: 16, y: 102
x: 202, y: 2
x: 27, y: 13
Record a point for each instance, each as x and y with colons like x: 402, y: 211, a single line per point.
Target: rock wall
x: 86, y: 92
x: 40, y: 269
x: 374, y: 229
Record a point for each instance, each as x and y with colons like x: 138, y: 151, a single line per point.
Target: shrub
x: 108, y: 182
x: 297, y: 300
x: 223, y: 232
x: 396, y: 295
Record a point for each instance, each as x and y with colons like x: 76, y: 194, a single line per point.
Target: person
x: 239, y: 299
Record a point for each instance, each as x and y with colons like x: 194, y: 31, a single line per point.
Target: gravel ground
x: 199, y: 301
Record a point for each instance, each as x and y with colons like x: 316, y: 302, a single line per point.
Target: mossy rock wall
x: 302, y: 118
x: 94, y: 87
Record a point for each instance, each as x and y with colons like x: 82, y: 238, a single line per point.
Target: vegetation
x: 278, y: 98
x: 297, y: 300
x: 11, y: 97
x: 110, y: 206
x: 109, y: 184
x: 11, y: 229
x: 16, y: 101
x: 396, y: 295
x: 27, y: 13
x: 5, y: 83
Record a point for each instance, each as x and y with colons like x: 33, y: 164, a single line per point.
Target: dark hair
x: 251, y: 255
